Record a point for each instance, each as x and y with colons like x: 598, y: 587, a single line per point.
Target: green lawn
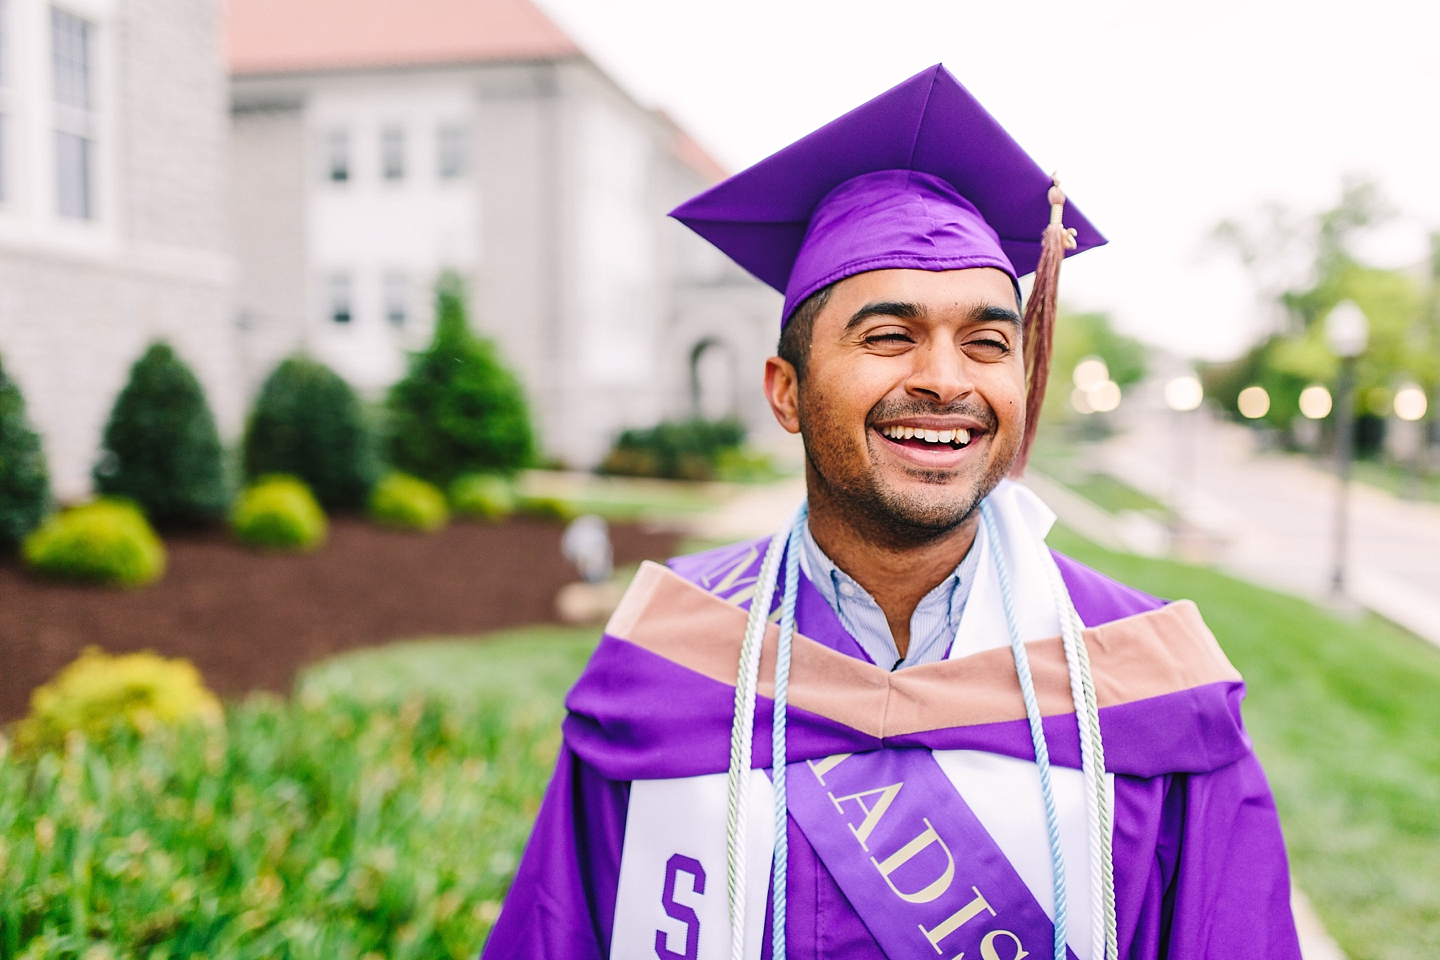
x: 1346, y: 718
x: 380, y: 811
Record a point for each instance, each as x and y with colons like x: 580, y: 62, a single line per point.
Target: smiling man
x: 991, y: 751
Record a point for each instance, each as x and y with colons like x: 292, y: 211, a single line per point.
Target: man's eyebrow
x: 998, y: 314
x: 885, y: 308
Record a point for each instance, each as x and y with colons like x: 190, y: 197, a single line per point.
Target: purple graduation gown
x: 1200, y: 866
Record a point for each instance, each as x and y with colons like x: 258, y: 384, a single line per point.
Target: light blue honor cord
x: 778, y: 752
x: 1037, y: 730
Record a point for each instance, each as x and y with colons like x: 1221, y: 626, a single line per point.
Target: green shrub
x: 458, y: 410
x: 107, y: 541
x: 24, y: 479
x: 161, y: 448
x: 278, y: 512
x: 400, y: 500
x: 482, y: 496
x: 546, y: 508
x: 100, y: 694
x: 308, y: 423
x: 676, y: 450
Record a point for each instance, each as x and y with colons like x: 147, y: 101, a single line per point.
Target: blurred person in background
x: 991, y: 750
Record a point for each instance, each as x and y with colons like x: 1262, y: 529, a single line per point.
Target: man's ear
x: 782, y: 389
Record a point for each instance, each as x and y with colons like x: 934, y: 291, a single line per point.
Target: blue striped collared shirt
x: 933, y: 625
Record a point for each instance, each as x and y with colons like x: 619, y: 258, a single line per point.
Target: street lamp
x: 1347, y: 331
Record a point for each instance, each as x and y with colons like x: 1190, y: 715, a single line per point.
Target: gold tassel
x: 1039, y: 323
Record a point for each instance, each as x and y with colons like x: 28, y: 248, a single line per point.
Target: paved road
x: 1274, y: 515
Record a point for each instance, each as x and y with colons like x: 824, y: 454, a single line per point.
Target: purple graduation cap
x: 921, y: 177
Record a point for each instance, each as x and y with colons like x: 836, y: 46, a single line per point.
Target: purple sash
x: 913, y: 860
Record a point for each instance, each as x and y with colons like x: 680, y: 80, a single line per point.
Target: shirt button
x: 847, y: 589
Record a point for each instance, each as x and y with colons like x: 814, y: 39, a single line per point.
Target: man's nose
x: 940, y: 374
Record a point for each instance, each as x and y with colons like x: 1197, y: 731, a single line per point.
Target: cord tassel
x: 1039, y: 323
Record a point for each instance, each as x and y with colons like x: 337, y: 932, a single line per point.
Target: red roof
x: 292, y: 36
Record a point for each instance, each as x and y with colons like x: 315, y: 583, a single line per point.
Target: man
x: 967, y: 775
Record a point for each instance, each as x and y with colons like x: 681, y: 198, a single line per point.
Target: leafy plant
x: 458, y: 409
x: 99, y: 695
x: 482, y: 496
x: 676, y: 450
x: 161, y: 448
x: 279, y: 513
x: 24, y: 478
x: 337, y: 824
x: 400, y: 500
x: 107, y: 541
x: 308, y: 423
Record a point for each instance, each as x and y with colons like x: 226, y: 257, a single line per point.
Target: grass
x: 379, y: 813
x: 624, y: 499
x: 1345, y: 715
x: 1114, y: 496
x: 1398, y: 479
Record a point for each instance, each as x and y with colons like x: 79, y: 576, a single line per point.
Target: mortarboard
x: 921, y: 177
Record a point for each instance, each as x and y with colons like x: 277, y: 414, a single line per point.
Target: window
x: 72, y: 175
x: 72, y: 42
x: 337, y: 155
x: 72, y: 57
x: 339, y: 296
x: 397, y: 299
x: 392, y: 153
x: 450, y: 151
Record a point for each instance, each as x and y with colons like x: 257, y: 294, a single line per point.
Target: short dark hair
x: 795, y: 336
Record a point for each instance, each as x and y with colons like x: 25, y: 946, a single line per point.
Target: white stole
x: 686, y: 816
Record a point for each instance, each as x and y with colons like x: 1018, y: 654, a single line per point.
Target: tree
x: 1305, y: 265
x: 161, y: 448
x: 1080, y: 335
x: 24, y: 478
x: 307, y: 422
x: 459, y: 409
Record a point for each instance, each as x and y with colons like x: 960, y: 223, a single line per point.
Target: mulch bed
x: 250, y: 620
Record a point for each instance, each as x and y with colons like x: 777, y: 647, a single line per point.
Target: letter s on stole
x: 678, y: 864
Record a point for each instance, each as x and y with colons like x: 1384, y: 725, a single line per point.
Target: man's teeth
x: 960, y: 436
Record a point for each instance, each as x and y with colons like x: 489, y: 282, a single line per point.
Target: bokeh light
x: 1105, y: 397
x: 1253, y: 402
x: 1411, y: 403
x: 1184, y: 393
x: 1090, y: 373
x: 1080, y: 400
x: 1315, y: 402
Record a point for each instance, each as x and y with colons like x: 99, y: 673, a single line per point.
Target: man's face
x: 912, y: 405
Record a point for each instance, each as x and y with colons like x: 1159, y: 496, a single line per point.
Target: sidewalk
x: 1274, y: 517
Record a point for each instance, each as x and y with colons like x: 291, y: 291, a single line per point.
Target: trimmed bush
x: 679, y: 450
x: 24, y: 479
x: 100, y: 695
x: 161, y: 448
x: 308, y: 423
x: 551, y: 509
x: 279, y: 513
x: 482, y: 497
x: 400, y: 500
x: 459, y: 409
x: 107, y: 541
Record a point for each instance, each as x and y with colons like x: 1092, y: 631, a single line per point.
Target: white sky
x: 1161, y: 117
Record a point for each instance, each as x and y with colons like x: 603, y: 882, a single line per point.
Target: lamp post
x: 1347, y: 331
x: 1183, y: 395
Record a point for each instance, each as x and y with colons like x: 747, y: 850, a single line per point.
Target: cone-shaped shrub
x: 459, y: 409
x: 24, y: 479
x: 308, y: 423
x: 161, y: 448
